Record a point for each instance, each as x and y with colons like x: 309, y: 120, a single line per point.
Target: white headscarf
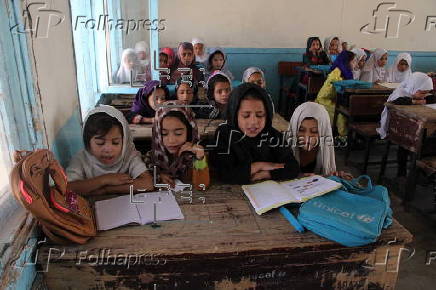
x: 142, y: 46
x: 251, y: 70
x: 224, y: 69
x: 394, y: 75
x: 359, y: 55
x: 327, y: 42
x: 418, y: 81
x: 325, y: 159
x: 371, y: 71
x: 203, y: 58
x: 123, y: 74
x: 85, y: 165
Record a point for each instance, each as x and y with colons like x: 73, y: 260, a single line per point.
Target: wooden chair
x: 287, y: 69
x: 363, y: 114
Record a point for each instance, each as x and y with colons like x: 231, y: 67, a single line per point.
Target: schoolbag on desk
x: 65, y: 216
x: 352, y: 215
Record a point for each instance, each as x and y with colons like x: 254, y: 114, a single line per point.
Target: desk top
x: 420, y: 112
x: 376, y: 89
x: 224, y: 223
x: 206, y: 127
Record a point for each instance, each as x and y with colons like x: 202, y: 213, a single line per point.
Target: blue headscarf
x: 343, y: 63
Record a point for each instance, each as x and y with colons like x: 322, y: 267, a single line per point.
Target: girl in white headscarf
x: 360, y: 59
x: 374, y: 69
x: 256, y: 76
x: 201, y: 55
x: 416, y: 87
x: 143, y: 52
x: 109, y: 163
x: 332, y: 47
x: 129, y: 62
x: 312, y: 140
x: 401, y: 69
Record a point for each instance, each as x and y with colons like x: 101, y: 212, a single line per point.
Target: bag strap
x: 353, y: 185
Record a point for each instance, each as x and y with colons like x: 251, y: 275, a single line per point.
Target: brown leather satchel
x: 39, y: 183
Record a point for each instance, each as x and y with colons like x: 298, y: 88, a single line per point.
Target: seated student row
x: 110, y: 164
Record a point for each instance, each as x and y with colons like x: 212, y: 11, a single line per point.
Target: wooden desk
x: 222, y: 244
x: 408, y: 128
x: 206, y: 127
x: 315, y: 81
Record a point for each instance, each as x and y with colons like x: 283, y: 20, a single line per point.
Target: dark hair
x: 99, y: 124
x: 163, y: 54
x: 310, y: 40
x: 179, y: 115
x: 209, y: 61
x: 253, y: 94
x: 218, y: 78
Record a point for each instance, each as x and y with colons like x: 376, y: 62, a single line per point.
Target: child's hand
x: 261, y: 175
x: 342, y: 174
x: 144, y: 182
x: 198, y: 150
x: 167, y: 179
x: 266, y: 166
x: 116, y: 179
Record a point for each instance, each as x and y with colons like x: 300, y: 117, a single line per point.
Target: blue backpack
x: 352, y: 215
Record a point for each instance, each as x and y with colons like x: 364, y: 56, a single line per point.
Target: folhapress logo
x: 388, y: 20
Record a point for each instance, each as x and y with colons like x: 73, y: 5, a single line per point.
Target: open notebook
x: 144, y: 208
x: 270, y: 194
x: 390, y: 85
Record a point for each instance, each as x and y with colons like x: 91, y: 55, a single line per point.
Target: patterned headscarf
x: 170, y: 52
x: 160, y: 158
x: 141, y: 100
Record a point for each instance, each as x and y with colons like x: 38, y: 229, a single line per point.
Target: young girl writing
x: 217, y: 62
x: 146, y: 101
x: 185, y: 64
x: 248, y: 148
x: 312, y: 140
x: 315, y: 55
x: 109, y: 163
x: 341, y: 70
x: 401, y: 69
x: 176, y: 153
x: 374, y: 69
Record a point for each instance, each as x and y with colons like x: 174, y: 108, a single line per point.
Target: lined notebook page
x: 115, y: 212
x: 166, y: 207
x: 265, y: 195
x: 305, y: 188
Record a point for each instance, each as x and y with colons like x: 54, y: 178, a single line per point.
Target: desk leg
x: 411, y: 180
x: 384, y: 161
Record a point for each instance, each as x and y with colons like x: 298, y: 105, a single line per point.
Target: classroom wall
x: 287, y: 24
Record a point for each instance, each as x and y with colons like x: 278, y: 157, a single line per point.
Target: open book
x: 142, y: 209
x: 390, y: 85
x: 270, y: 194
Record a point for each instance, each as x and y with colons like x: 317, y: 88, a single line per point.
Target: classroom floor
x: 414, y: 274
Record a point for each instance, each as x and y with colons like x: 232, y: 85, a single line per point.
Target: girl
x: 248, y: 148
x: 411, y: 91
x: 217, y: 62
x: 374, y: 69
x: 129, y: 62
x: 332, y: 47
x: 256, y: 76
x: 360, y: 59
x: 313, y: 143
x: 340, y: 70
x: 163, y: 60
x: 186, y: 92
x: 146, y: 101
x: 184, y: 63
x: 201, y: 55
x: 218, y: 92
x: 315, y: 55
x: 175, y: 150
x: 109, y: 163
x: 143, y: 53
x: 170, y: 54
x: 401, y: 69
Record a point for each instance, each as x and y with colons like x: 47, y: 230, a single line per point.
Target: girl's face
x: 163, y: 60
x: 174, y: 134
x: 185, y: 93
x: 107, y: 148
x: 186, y: 56
x: 315, y: 46
x: 308, y: 135
x: 217, y: 61
x: 257, y: 79
x: 251, y: 117
x: 334, y: 46
x: 344, y: 45
x: 141, y: 55
x: 420, y: 94
x: 402, y: 65
x: 198, y: 49
x: 361, y: 63
x: 383, y: 60
x: 129, y: 62
x: 221, y: 92
x: 156, y: 98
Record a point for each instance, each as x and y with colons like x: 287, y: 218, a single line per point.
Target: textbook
x: 141, y: 209
x: 270, y: 194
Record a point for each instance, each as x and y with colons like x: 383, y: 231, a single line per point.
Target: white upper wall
x: 288, y: 24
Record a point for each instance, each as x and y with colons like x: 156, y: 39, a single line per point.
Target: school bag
x: 64, y: 216
x: 352, y: 215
